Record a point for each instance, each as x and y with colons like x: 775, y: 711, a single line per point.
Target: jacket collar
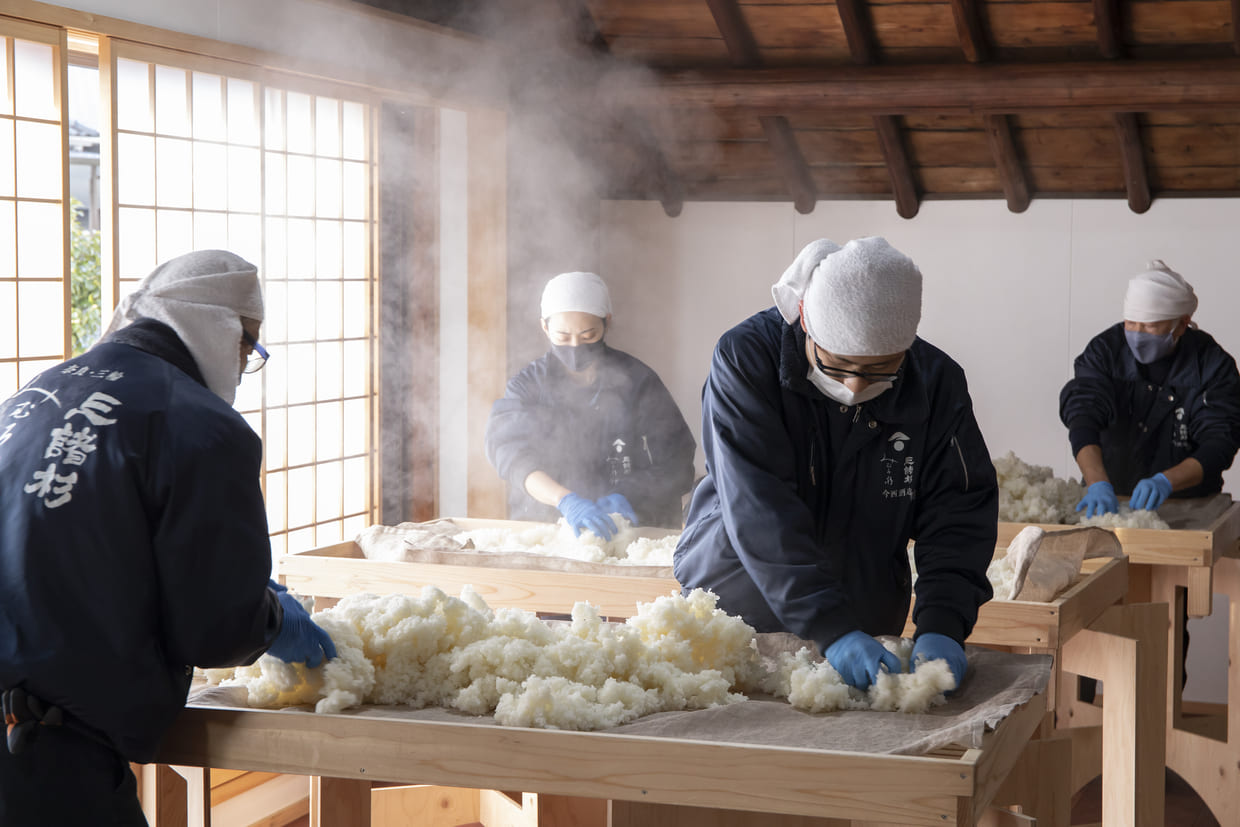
x: 158, y: 339
x: 906, y: 401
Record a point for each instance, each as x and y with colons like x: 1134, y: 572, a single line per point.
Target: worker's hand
x: 1150, y: 493
x: 300, y: 639
x: 1099, y: 499
x: 859, y: 657
x: 582, y: 514
x: 618, y: 504
x: 934, y: 646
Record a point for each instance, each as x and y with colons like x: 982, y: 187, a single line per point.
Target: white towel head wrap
x: 1158, y: 294
x: 202, y: 296
x: 790, y: 288
x: 864, y: 300
x: 576, y: 293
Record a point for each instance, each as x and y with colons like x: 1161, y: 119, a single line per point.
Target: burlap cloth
x: 997, y: 683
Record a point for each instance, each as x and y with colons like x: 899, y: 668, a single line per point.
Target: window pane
x: 135, y: 178
x: 8, y: 240
x: 327, y: 188
x: 354, y: 257
x: 244, y: 179
x: 137, y: 242
x: 301, y: 311
x: 329, y: 494
x: 275, y: 374
x: 300, y: 185
x: 327, y: 534
x: 328, y: 373
x: 43, y: 304
x: 355, y: 525
x: 242, y: 112
x: 171, y: 106
x: 210, y: 186
x: 327, y: 320
x: 6, y: 102
x: 300, y: 248
x: 276, y: 501
x: 28, y: 370
x: 250, y: 398
x: 327, y: 126
x: 8, y: 379
x: 210, y: 231
x: 133, y: 95
x: 274, y: 255
x: 354, y: 117
x: 356, y: 309
x: 300, y: 497
x: 356, y: 427
x: 355, y: 378
x: 273, y: 126
x: 275, y: 298
x: 300, y: 132
x: 7, y: 178
x: 34, y: 80
x: 175, y: 234
x: 40, y: 241
x: 327, y: 255
x: 277, y: 433
x: 276, y: 185
x: 355, y: 487
x: 301, y: 435
x: 302, y: 539
x: 300, y: 386
x: 353, y: 195
x: 208, y: 108
x: 328, y: 443
x: 174, y: 164
x: 39, y: 148
x: 8, y: 322
x: 245, y: 237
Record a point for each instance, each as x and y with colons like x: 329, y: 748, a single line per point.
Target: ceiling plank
x: 670, y: 190
x: 968, y: 20
x: 1011, y: 172
x: 860, y: 36
x: 1107, y: 21
x: 1136, y: 177
x: 743, y: 48
x: 1235, y: 25
x: 1129, y: 86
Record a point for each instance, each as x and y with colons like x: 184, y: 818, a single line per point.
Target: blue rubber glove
x: 300, y: 639
x: 582, y: 514
x: 859, y: 657
x: 618, y: 504
x: 934, y: 646
x: 1099, y: 499
x: 1150, y: 493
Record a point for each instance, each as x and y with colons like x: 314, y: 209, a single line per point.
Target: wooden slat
x: 857, y: 30
x: 1235, y: 25
x: 958, y: 148
x: 898, y: 167
x: 1110, y: 33
x: 1007, y: 162
x: 1132, y: 157
x: 967, y: 16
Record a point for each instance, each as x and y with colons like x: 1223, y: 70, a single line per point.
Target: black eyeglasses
x: 841, y: 373
x: 258, y: 354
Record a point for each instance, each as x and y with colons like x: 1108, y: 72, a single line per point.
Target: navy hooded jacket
x: 803, y: 520
x: 1145, y: 427
x: 133, y: 537
x: 622, y: 434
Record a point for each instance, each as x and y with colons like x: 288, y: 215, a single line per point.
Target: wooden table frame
x: 952, y: 786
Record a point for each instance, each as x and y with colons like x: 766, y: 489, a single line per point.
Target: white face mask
x: 834, y: 389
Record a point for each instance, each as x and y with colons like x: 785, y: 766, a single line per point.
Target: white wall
x: 1012, y: 297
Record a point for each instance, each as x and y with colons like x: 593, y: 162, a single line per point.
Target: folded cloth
x: 1158, y: 294
x: 790, y: 288
x: 576, y: 293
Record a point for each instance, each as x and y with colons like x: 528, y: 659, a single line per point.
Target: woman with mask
x: 834, y: 435
x: 586, y: 430
x: 1153, y: 409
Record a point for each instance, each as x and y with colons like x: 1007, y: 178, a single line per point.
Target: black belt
x: 23, y: 714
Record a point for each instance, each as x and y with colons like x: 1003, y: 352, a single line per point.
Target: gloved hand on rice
x: 616, y: 503
x: 1150, y: 493
x: 859, y: 658
x: 934, y: 646
x: 300, y: 639
x: 1099, y: 499
x: 582, y: 514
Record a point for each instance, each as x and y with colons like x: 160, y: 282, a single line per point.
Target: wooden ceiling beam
x: 854, y: 17
x: 670, y: 190
x: 743, y: 49
x: 968, y: 19
x: 964, y: 89
x: 1131, y: 150
x: 1235, y: 25
x: 1007, y: 161
x: 1108, y: 23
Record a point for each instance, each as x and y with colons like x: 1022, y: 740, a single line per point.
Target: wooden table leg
x: 339, y: 802
x: 1126, y: 648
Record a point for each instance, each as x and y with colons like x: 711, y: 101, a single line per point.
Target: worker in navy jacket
x: 1153, y: 408
x: 133, y: 543
x: 587, y: 430
x: 833, y: 436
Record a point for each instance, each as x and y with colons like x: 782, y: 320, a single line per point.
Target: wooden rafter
x: 1108, y: 23
x: 1132, y: 155
x: 670, y: 191
x: 964, y: 89
x: 1007, y: 160
x: 860, y: 38
x: 743, y: 49
x: 1235, y: 25
x: 968, y: 19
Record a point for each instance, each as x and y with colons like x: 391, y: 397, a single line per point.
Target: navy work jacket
x: 623, y: 433
x: 133, y: 537
x: 1145, y: 427
x: 803, y: 520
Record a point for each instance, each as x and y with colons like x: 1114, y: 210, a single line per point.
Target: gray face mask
x: 837, y: 390
x: 578, y: 357
x: 1149, y: 347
